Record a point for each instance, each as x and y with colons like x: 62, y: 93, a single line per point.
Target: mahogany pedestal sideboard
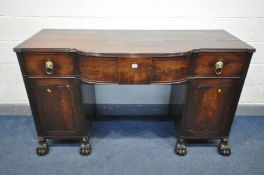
x: 211, y: 63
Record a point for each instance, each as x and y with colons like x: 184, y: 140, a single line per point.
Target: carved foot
x: 180, y: 148
x: 85, y: 148
x: 43, y: 148
x: 223, y: 148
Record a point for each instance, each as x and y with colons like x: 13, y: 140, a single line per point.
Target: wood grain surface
x: 131, y: 41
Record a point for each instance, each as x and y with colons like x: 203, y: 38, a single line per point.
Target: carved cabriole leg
x: 42, y: 148
x: 223, y: 147
x: 85, y: 148
x: 180, y: 148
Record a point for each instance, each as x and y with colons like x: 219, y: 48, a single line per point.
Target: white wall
x: 21, y: 19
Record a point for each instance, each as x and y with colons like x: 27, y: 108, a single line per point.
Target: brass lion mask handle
x: 49, y: 67
x: 219, y: 65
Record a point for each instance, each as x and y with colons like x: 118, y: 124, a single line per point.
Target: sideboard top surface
x: 131, y: 41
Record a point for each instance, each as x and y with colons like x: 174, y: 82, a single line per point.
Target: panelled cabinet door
x: 210, y: 102
x: 55, y: 101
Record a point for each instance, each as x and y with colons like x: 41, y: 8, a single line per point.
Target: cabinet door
x: 56, y: 102
x: 209, y: 106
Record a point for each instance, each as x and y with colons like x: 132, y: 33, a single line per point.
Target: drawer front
x: 98, y: 69
x: 219, y: 64
x: 170, y: 69
x: 134, y: 70
x: 49, y: 64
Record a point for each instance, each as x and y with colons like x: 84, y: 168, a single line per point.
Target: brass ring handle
x: 49, y: 67
x: 219, y: 65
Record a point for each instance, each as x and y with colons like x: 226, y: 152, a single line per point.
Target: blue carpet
x: 131, y: 147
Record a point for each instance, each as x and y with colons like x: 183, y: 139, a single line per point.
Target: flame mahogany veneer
x: 211, y: 63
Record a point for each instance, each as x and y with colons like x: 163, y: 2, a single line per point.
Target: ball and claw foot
x: 180, y: 149
x: 224, y: 149
x: 85, y: 148
x: 42, y: 149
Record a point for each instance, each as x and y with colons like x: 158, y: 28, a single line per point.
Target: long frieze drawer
x: 98, y: 69
x: 49, y: 64
x: 219, y: 64
x: 134, y: 70
x: 170, y: 69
